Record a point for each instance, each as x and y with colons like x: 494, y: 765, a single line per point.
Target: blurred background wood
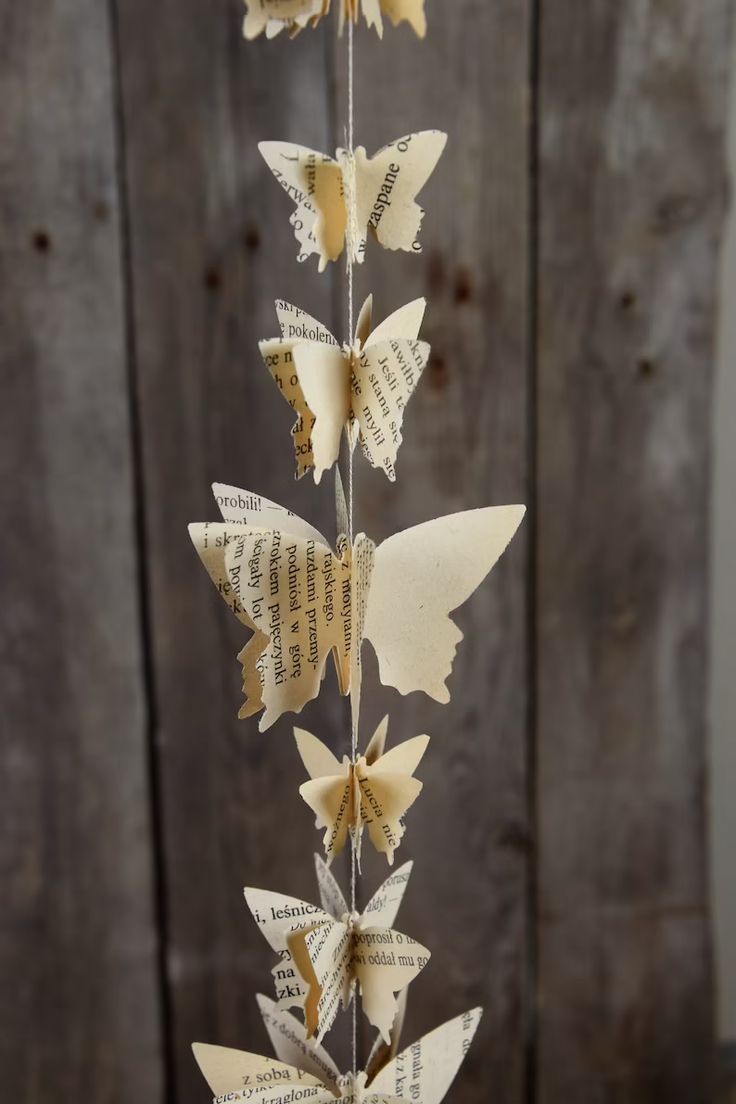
x: 569, y: 253
x: 80, y: 993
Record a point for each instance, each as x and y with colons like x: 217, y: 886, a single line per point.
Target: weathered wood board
x: 570, y: 247
x: 79, y: 1011
x: 631, y: 191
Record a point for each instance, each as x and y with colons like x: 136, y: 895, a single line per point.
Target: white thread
x: 349, y: 252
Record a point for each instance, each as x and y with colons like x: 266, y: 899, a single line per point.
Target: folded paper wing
x: 230, y: 1071
x: 419, y: 577
x: 291, y: 1045
x: 375, y: 793
x: 385, y: 188
x: 425, y: 1070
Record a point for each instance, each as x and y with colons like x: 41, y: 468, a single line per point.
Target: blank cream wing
x: 420, y: 576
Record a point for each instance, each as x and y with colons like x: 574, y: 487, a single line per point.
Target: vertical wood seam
x: 140, y: 533
x: 532, y: 353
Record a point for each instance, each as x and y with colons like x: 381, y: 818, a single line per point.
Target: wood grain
x: 465, y: 445
x: 211, y: 250
x: 631, y: 189
x: 79, y: 1013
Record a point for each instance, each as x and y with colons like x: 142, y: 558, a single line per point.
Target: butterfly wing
x: 386, y: 187
x: 229, y: 1071
x: 322, y: 958
x: 419, y: 577
x: 278, y: 916
x: 384, y: 963
x: 278, y: 356
x: 404, y: 322
x: 384, y: 378
x: 313, y: 181
x: 409, y: 11
x: 425, y: 1070
x: 387, y: 792
x: 255, y: 511
x: 297, y: 594
x: 273, y: 16
x: 324, y: 377
x: 330, y: 895
x: 289, y: 1041
x: 383, y: 907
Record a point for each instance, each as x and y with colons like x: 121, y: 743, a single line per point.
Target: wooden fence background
x: 570, y: 263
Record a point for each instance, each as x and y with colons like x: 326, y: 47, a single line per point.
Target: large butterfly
x: 274, y: 16
x: 304, y: 601
x: 375, y: 792
x: 362, y: 389
x: 423, y: 1072
x: 326, y: 951
x: 380, y: 192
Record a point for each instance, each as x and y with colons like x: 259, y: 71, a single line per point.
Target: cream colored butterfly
x: 274, y: 16
x: 374, y: 793
x: 304, y: 601
x: 380, y: 191
x: 325, y: 952
x: 362, y: 389
x: 304, y: 1071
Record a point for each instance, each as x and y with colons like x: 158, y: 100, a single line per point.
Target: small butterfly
x: 374, y: 793
x: 380, y: 191
x: 274, y: 16
x: 362, y: 389
x: 304, y: 602
x: 326, y: 951
x: 304, y: 1071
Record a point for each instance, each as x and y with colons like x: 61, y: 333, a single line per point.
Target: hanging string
x: 351, y: 328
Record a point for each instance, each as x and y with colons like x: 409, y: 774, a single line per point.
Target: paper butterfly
x: 306, y: 1072
x: 374, y: 793
x: 304, y: 601
x: 380, y: 191
x: 274, y: 16
x: 326, y: 951
x: 362, y: 389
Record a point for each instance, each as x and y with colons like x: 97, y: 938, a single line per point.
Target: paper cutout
x: 423, y: 1072
x: 379, y: 192
x: 362, y: 388
x: 273, y: 16
x: 303, y: 601
x: 374, y: 793
x: 326, y: 951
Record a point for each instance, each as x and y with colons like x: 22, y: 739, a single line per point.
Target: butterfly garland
x: 303, y: 600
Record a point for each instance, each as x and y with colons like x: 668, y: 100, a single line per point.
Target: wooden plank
x: 79, y: 1019
x: 465, y: 445
x: 632, y: 101
x: 212, y: 248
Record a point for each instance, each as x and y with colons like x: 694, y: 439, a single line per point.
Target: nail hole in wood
x: 212, y: 279
x: 41, y: 241
x: 646, y: 367
x: 463, y: 286
x: 251, y: 238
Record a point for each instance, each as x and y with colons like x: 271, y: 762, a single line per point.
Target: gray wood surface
x: 570, y: 250
x: 631, y: 188
x: 79, y: 1010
